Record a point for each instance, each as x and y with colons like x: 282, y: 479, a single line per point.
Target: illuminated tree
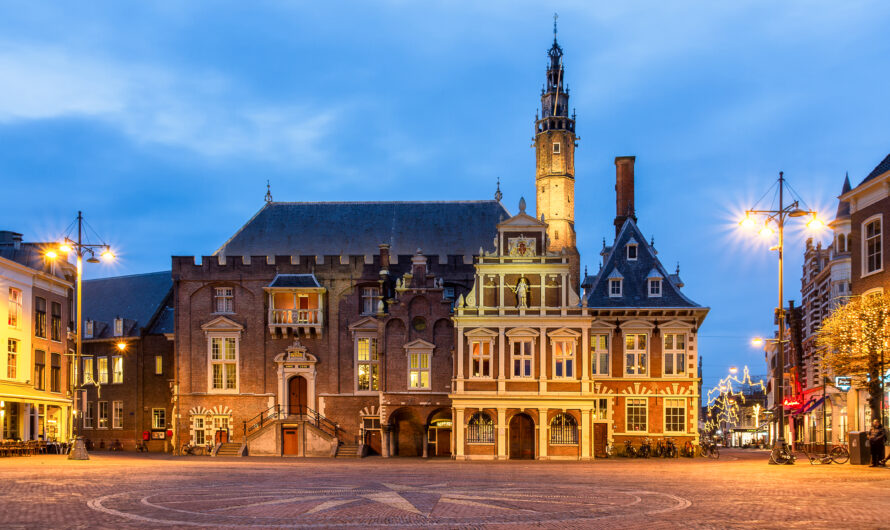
x: 854, y: 338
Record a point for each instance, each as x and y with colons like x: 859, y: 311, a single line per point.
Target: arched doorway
x: 406, y: 434
x: 440, y: 433
x: 522, y: 437
x: 297, y: 396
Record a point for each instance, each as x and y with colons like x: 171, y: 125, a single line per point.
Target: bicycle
x: 194, y: 450
x: 645, y: 449
x: 629, y: 450
x: 782, y: 455
x: 839, y: 454
x: 708, y: 448
x: 659, y: 449
x: 670, y: 450
x: 688, y: 449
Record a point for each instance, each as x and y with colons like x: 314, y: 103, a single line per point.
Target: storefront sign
x: 791, y: 402
x: 842, y: 383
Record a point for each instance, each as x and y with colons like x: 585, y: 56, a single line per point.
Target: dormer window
x: 118, y: 327
x: 655, y: 287
x: 615, y: 287
x: 632, y: 252
x: 88, y: 329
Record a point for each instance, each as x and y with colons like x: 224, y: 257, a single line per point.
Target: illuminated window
x: 635, y: 354
x: 40, y: 370
x: 88, y: 377
x: 224, y: 300
x: 636, y: 415
x: 599, y: 354
x: 117, y: 367
x: 117, y: 414
x: 674, y: 353
x: 55, y: 373
x: 103, y: 370
x: 103, y: 414
x: 15, y: 308
x: 159, y: 365
x: 480, y: 429
x: 674, y: 415
x: 563, y: 359
x: 40, y: 317
x: 12, y: 358
x: 55, y: 329
x: 601, y: 409
x: 198, y: 429
x: 480, y: 359
x: 563, y: 430
x: 224, y: 364
x: 367, y: 364
x: 419, y: 370
x: 523, y: 357
x: 158, y: 419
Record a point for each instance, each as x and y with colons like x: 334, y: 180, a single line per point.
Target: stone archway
x: 406, y: 433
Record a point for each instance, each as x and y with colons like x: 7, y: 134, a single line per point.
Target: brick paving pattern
x: 738, y: 491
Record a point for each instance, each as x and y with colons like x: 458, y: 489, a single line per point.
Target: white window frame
x: 416, y: 369
x: 620, y: 283
x: 485, y: 349
x: 656, y: 292
x: 597, y: 350
x: 880, y: 253
x: 102, y: 368
x: 674, y: 352
x: 118, y: 327
x: 117, y: 369
x: 88, y: 329
x: 373, y: 362
x: 637, y: 352
x: 627, y: 405
x: 370, y: 296
x: 100, y: 415
x: 159, y: 365
x: 88, y: 415
x: 88, y: 370
x: 117, y: 414
x: 636, y: 249
x: 12, y: 358
x: 154, y: 418
x: 600, y: 410
x: 223, y: 361
x: 199, y: 426
x: 556, y: 148
x: 569, y: 356
x: 522, y: 350
x: 683, y: 420
x: 223, y: 300
x: 15, y: 308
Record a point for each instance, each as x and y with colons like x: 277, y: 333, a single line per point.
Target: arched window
x: 480, y: 429
x: 841, y: 243
x: 563, y: 430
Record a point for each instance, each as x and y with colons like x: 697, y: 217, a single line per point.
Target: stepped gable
x: 635, y: 274
x: 358, y: 228
x: 136, y: 299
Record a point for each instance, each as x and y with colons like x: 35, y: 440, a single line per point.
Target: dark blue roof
x: 163, y: 323
x: 880, y: 169
x: 634, y: 274
x: 358, y: 228
x: 843, y: 207
x: 135, y: 298
x: 295, y: 280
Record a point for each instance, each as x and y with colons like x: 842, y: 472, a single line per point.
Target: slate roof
x: 843, y: 207
x: 635, y: 274
x: 135, y: 298
x: 163, y: 323
x: 31, y: 255
x: 357, y: 228
x: 295, y: 280
x: 879, y: 170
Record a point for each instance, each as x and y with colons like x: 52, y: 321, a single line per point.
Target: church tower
x: 555, y: 155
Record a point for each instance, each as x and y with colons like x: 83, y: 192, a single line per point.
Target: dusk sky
x: 163, y: 122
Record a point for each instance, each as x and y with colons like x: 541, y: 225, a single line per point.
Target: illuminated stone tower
x: 555, y: 155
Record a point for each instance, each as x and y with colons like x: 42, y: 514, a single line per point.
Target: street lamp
x: 80, y: 249
x: 777, y: 218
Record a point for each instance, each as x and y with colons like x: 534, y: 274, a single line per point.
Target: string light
x: 724, y: 400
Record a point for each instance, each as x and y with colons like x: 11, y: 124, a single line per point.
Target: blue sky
x: 164, y: 121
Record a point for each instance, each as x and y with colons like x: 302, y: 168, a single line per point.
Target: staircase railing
x: 257, y: 422
x: 323, y: 423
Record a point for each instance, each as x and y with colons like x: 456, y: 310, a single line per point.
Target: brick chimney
x: 624, y: 191
x: 384, y: 256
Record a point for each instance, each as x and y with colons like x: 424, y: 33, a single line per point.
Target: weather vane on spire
x: 555, y: 17
x: 268, y: 192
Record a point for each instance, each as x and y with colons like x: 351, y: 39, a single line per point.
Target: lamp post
x: 778, y: 217
x: 80, y: 248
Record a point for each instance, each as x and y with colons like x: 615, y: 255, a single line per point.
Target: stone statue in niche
x: 521, y: 291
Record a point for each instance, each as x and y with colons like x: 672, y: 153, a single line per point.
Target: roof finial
x: 268, y: 192
x: 678, y: 268
x: 497, y: 194
x: 555, y: 17
x: 522, y: 205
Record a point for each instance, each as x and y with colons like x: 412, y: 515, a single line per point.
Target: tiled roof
x: 163, y: 323
x: 879, y: 170
x: 843, y: 207
x: 635, y: 274
x: 357, y: 228
x: 135, y: 298
x: 295, y: 280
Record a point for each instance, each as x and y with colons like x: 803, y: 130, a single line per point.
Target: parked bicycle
x: 688, y: 449
x: 708, y: 448
x: 629, y: 450
x: 670, y: 450
x: 782, y: 455
x: 196, y: 450
x: 645, y: 449
x: 839, y: 454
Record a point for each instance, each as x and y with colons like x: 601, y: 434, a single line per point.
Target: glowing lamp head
x: 733, y: 370
x: 121, y: 346
x: 107, y: 254
x: 747, y: 222
x: 815, y: 223
x: 766, y: 231
x: 52, y: 254
x: 66, y: 248
x: 757, y: 342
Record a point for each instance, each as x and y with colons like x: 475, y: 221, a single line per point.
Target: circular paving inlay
x: 382, y: 504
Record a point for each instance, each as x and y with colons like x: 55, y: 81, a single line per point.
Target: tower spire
x: 555, y: 17
x: 497, y: 194
x: 268, y: 192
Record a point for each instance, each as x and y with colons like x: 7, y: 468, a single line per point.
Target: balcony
x: 296, y: 305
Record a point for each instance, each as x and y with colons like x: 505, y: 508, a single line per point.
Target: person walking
x: 876, y: 438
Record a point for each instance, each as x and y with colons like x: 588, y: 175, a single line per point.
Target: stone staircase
x: 348, y: 451
x: 229, y: 449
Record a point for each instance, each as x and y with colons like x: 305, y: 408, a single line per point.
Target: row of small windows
x: 39, y: 374
x: 158, y: 416
x: 616, y: 287
x: 98, y: 370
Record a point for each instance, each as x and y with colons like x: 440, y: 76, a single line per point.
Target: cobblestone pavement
x: 738, y: 491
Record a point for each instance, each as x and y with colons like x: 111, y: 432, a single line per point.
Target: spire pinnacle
x: 497, y: 194
x: 268, y: 192
x: 555, y: 18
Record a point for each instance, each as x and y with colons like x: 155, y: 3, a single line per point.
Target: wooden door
x: 600, y: 433
x: 373, y: 442
x: 443, y: 442
x: 291, y: 440
x: 522, y: 437
x: 222, y: 437
x: 297, y: 395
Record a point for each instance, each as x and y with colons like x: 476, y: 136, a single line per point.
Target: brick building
x: 35, y: 370
x: 321, y: 327
x: 127, y: 361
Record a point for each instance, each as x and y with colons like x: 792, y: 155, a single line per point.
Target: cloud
x: 200, y: 111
